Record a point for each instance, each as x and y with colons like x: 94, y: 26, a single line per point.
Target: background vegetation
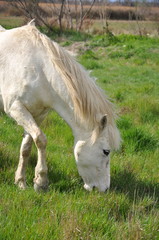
x: 93, y: 15
x: 126, y: 67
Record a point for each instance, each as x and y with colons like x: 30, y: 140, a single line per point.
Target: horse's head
x: 92, y: 158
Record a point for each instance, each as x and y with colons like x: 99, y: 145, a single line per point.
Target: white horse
x: 37, y: 75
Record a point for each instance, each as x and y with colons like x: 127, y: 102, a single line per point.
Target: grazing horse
x: 37, y: 75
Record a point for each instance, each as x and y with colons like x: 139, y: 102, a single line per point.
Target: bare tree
x: 61, y: 14
x: 137, y: 17
x: 68, y: 15
x: 80, y: 10
x: 31, y: 10
x: 85, y: 14
x: 73, y: 11
x: 104, y: 14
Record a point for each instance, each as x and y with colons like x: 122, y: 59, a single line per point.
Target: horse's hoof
x: 87, y: 187
x: 39, y: 188
x: 21, y: 184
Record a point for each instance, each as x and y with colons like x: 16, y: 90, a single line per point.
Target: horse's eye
x: 106, y: 152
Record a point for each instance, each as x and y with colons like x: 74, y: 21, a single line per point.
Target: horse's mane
x: 88, y: 99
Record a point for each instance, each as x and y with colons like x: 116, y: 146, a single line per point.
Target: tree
x: 72, y: 11
x: 32, y: 10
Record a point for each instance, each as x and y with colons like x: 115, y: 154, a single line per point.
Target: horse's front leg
x: 25, y: 119
x: 25, y: 150
x: 41, y: 180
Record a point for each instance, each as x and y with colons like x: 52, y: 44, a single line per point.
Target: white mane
x: 88, y: 99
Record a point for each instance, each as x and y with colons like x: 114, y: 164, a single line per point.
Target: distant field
x: 126, y: 27
x: 96, y: 26
x: 127, y: 68
x: 120, y: 19
x: 10, y: 22
x: 117, y: 12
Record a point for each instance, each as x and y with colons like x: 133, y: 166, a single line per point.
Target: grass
x: 127, y: 27
x: 94, y: 26
x: 11, y: 22
x: 127, y: 69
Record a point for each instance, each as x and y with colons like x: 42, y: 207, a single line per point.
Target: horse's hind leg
x: 25, y: 119
x: 25, y: 150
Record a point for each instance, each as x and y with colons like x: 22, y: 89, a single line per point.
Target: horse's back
x: 21, y: 72
x: 2, y: 29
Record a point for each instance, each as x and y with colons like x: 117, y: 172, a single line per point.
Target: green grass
x: 127, y: 69
x: 11, y: 22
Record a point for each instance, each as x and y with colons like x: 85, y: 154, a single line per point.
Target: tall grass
x: 127, y: 69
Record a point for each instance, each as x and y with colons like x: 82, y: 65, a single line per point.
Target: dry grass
x: 112, y: 11
x: 149, y: 28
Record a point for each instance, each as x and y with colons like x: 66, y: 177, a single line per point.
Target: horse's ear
x: 103, y: 122
x: 32, y: 22
x: 99, y: 129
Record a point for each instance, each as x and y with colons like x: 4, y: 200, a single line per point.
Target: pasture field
x: 11, y: 22
x: 127, y: 68
x: 95, y: 26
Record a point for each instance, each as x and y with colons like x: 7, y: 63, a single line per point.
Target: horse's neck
x: 61, y: 102
x: 67, y: 113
